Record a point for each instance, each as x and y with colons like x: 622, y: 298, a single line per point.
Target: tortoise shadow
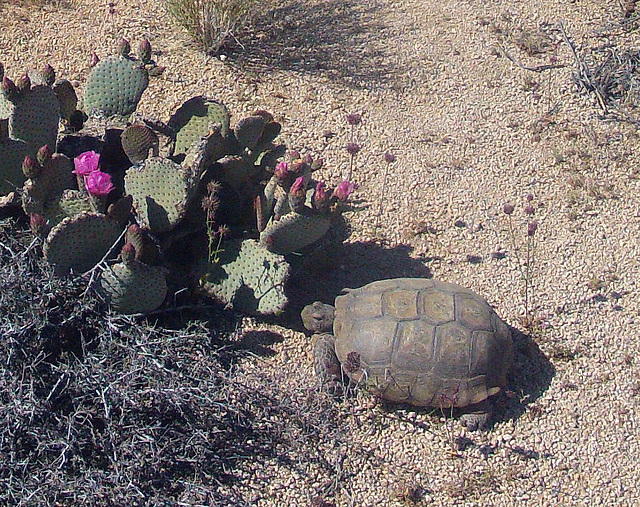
x: 337, y: 40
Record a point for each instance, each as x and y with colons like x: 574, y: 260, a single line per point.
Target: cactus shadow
x: 354, y: 265
x: 338, y: 40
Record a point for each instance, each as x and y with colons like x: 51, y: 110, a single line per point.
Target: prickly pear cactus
x: 294, y: 231
x: 247, y: 277
x: 130, y: 286
x: 195, y: 119
x: 80, y: 242
x: 116, y: 85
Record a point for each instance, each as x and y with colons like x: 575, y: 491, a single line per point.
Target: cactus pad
x: 56, y: 177
x: 67, y: 98
x: 137, y: 141
x: 133, y: 287
x: 115, y: 86
x: 248, y: 277
x: 294, y: 231
x: 79, y: 243
x: 159, y: 191
x: 35, y: 117
x: 196, y: 119
x: 67, y: 204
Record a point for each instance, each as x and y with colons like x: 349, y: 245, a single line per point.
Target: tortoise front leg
x: 326, y: 364
x: 477, y: 416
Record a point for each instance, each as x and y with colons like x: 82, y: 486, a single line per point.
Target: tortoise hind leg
x: 477, y: 416
x: 326, y: 364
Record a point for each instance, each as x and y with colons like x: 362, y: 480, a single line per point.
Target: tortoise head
x: 318, y: 317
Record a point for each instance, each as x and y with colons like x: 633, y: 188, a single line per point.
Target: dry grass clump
x: 212, y: 22
x: 103, y: 410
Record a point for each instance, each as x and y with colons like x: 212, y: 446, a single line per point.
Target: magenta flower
x: 86, y: 163
x: 98, y: 183
x: 344, y: 190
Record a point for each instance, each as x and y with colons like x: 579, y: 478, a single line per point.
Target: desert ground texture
x: 481, y: 104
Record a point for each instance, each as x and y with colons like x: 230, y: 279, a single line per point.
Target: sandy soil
x: 471, y: 129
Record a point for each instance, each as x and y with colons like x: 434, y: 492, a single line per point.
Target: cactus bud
x: 9, y: 89
x: 389, y: 157
x: 44, y: 155
x: 23, y: 83
x: 49, y: 75
x: 128, y: 253
x: 144, y: 51
x: 320, y: 198
x: 297, y: 194
x: 317, y: 164
x: 532, y: 228
x: 94, y: 59
x: 508, y: 209
x: 281, y: 171
x: 38, y: 225
x: 529, y: 209
x: 296, y: 167
x: 30, y: 167
x: 293, y: 154
x: 124, y: 47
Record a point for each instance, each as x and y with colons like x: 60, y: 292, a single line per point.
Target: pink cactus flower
x: 86, y: 163
x: 98, y: 183
x: 344, y: 190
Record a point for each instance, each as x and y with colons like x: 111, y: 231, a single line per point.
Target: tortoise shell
x: 423, y: 342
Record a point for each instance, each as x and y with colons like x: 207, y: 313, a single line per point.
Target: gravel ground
x: 443, y: 86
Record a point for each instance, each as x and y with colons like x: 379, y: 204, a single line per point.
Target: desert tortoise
x: 417, y: 341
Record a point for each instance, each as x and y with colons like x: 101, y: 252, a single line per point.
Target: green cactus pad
x: 247, y: 277
x: 35, y: 117
x: 195, y: 119
x: 56, y: 177
x: 137, y: 141
x: 115, y: 86
x: 79, y: 243
x: 249, y: 130
x: 294, y: 231
x: 160, y: 193
x: 67, y: 98
x: 237, y: 172
x: 133, y: 287
x: 67, y: 204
